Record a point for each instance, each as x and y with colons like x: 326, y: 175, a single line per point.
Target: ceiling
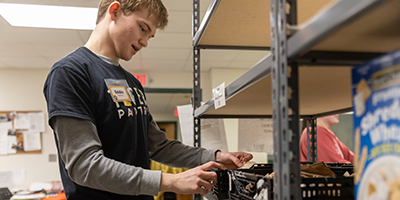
x: 170, y: 50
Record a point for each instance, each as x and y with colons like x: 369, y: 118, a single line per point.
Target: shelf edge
x: 206, y: 20
x: 326, y: 23
x: 256, y: 73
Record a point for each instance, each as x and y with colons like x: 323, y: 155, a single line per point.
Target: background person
x: 329, y: 148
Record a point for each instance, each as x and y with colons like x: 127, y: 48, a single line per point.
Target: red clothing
x: 329, y: 148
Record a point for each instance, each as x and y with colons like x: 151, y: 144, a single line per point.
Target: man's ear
x: 113, y: 10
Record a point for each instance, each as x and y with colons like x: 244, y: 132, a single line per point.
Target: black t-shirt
x: 82, y: 85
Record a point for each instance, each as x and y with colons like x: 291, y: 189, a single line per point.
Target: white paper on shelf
x: 213, y: 134
x: 212, y: 130
x: 256, y: 135
x: 4, y: 126
x: 219, y: 96
x: 40, y: 185
x: 31, y: 141
x: 185, y: 113
x: 28, y: 196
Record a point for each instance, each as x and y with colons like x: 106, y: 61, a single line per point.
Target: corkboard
x: 19, y: 132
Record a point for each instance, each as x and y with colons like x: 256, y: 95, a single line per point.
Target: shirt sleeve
x: 68, y: 92
x: 303, y: 146
x: 80, y: 150
x: 347, y: 153
x: 326, y: 147
x: 179, y: 155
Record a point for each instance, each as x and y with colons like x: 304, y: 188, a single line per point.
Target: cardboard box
x: 376, y: 106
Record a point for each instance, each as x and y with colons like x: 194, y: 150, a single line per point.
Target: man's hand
x: 196, y: 180
x: 232, y: 160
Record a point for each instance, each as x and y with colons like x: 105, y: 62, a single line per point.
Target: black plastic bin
x: 232, y: 184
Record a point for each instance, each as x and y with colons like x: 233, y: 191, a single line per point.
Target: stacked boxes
x: 376, y: 106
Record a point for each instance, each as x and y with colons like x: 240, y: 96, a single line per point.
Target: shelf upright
x: 196, y: 80
x: 278, y: 121
x: 196, y: 73
x: 311, y: 139
x: 294, y: 113
x: 285, y: 108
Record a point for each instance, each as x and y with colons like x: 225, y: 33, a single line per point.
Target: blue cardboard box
x: 376, y: 106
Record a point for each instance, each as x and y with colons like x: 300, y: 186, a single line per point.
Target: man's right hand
x: 197, y: 180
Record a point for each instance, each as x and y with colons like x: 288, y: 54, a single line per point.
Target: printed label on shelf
x: 219, y: 96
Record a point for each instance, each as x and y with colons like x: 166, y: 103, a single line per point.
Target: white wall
x: 344, y: 130
x: 22, y: 90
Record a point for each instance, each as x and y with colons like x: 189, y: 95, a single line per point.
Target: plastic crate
x: 226, y: 188
x: 221, y: 188
x: 340, y: 168
x: 261, y: 186
x: 328, y: 188
x: 233, y: 184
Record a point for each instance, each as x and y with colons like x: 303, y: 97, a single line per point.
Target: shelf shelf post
x: 294, y: 133
x: 311, y: 139
x: 276, y: 103
x: 285, y: 110
x: 196, y: 79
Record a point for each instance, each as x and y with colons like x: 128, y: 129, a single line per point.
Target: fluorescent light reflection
x: 44, y: 16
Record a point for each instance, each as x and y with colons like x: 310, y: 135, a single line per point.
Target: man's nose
x: 144, y: 42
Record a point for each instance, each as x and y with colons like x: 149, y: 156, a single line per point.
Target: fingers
x: 247, y: 157
x: 238, y: 162
x: 210, y: 165
x: 207, y: 179
x: 210, y: 177
x: 243, y: 158
x: 205, y: 187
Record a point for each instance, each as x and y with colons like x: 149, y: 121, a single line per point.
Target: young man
x: 104, y: 132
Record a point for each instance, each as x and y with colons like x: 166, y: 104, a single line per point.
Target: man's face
x: 132, y: 32
x: 331, y: 120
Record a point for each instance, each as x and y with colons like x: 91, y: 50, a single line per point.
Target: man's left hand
x: 232, y: 160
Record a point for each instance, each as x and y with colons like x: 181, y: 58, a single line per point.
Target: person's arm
x: 347, y: 153
x: 196, y: 180
x: 173, y: 152
x: 181, y: 155
x: 80, y: 149
x: 303, y: 146
x: 199, y: 180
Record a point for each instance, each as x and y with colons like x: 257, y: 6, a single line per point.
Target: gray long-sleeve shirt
x: 81, y: 150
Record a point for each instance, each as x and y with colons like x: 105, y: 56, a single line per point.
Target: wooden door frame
x: 171, y: 122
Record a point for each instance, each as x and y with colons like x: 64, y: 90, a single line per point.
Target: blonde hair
x: 156, y: 8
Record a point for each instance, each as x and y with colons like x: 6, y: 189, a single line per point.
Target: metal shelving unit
x: 308, y: 73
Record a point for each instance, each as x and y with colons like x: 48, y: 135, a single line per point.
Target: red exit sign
x: 142, y: 78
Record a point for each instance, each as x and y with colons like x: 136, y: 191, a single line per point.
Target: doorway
x: 169, y: 128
